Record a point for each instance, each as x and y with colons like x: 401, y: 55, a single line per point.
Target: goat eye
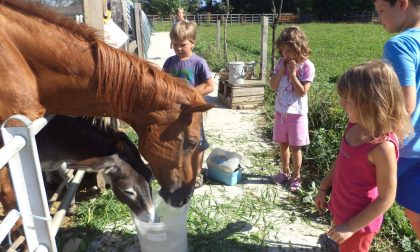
x: 129, y: 192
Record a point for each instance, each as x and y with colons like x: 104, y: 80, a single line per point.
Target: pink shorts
x: 290, y: 128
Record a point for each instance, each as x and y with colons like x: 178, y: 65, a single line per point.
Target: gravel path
x: 235, y: 130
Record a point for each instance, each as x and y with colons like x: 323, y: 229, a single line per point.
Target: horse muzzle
x: 178, y: 197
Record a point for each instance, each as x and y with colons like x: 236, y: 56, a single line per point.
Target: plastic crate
x: 227, y: 178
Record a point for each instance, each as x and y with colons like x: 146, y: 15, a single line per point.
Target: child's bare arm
x: 275, y: 79
x: 326, y: 183
x: 410, y: 98
x: 300, y: 88
x: 384, y: 158
x: 206, y: 87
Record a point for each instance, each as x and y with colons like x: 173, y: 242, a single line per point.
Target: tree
x: 260, y: 6
x: 167, y: 8
x: 277, y: 16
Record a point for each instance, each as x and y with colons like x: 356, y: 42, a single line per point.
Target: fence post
x: 139, y: 33
x: 26, y: 174
x: 263, y: 60
x: 218, y: 36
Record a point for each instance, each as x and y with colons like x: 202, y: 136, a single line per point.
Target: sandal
x: 199, y: 181
x: 280, y: 178
x: 295, y: 184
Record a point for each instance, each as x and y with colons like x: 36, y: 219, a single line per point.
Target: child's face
x: 182, y: 48
x: 288, y: 53
x: 392, y: 17
x: 348, y: 106
x: 180, y: 15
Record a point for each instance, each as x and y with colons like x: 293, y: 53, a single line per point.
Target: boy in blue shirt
x: 403, y: 52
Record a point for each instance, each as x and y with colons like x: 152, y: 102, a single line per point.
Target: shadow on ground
x: 222, y: 240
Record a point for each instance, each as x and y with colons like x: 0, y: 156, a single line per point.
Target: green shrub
x: 335, y: 48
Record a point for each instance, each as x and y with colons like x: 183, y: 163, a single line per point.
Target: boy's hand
x: 321, y: 200
x: 340, y: 233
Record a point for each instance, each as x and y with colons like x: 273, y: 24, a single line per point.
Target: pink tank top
x: 354, y: 182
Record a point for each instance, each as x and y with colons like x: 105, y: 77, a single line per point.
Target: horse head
x: 167, y: 141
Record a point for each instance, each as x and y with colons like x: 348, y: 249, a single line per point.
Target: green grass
x: 216, y: 226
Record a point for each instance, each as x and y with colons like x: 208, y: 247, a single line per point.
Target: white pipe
x: 10, y: 149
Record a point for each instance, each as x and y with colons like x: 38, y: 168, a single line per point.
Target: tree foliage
x: 167, y: 8
x: 323, y: 10
x: 261, y: 6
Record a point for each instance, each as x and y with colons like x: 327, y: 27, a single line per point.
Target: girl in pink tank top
x: 364, y: 176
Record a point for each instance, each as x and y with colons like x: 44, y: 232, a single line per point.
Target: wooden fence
x: 231, y: 18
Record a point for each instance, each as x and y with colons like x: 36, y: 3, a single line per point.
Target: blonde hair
x: 179, y: 10
x: 184, y: 30
x: 294, y: 37
x: 378, y: 99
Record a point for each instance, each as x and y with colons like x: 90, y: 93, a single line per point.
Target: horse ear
x: 97, y: 164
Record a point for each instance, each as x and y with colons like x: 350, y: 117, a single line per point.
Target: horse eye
x: 190, y: 144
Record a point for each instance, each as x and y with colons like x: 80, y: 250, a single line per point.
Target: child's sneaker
x: 280, y: 178
x: 295, y: 184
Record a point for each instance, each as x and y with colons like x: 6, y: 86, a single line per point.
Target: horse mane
x: 125, y: 79
x: 120, y: 78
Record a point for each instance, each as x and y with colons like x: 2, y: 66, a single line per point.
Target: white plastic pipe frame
x: 20, y: 151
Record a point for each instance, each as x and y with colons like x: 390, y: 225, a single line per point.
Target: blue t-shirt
x: 194, y: 69
x: 403, y: 52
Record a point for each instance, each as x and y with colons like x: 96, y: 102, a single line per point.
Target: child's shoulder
x: 197, y: 60
x: 196, y: 57
x: 308, y: 64
x: 409, y: 34
x: 171, y: 59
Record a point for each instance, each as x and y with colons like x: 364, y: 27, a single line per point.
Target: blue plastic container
x: 227, y: 178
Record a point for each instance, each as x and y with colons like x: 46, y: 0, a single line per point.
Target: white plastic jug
x: 236, y: 72
x: 224, y: 160
x: 169, y: 233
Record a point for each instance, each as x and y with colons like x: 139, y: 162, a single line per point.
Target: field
x: 335, y: 48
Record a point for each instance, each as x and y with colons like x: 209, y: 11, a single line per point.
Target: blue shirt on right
x: 403, y: 52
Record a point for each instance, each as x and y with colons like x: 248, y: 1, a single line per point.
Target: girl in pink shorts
x: 292, y: 78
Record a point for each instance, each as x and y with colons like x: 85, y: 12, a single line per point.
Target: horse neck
x: 59, y: 62
x: 80, y: 75
x: 133, y: 84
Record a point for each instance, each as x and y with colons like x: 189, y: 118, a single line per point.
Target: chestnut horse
x: 50, y: 64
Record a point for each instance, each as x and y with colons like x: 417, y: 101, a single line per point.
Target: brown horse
x: 50, y: 64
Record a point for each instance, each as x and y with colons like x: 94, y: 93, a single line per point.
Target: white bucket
x: 169, y: 233
x: 236, y: 72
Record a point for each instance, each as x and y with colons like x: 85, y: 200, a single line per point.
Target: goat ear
x: 96, y: 164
